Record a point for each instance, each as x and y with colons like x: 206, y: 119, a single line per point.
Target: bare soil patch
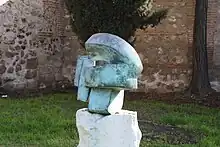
x: 211, y: 100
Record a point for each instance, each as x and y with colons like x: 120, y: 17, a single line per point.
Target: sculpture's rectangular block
x: 99, y: 100
x: 105, y: 101
x: 79, y: 65
x: 111, y: 75
x: 83, y: 63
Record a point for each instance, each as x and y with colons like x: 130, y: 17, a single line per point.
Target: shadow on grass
x: 153, y: 132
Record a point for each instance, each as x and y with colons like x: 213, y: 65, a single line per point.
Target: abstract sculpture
x: 103, y: 85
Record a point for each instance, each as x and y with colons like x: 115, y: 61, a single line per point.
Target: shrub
x: 119, y: 17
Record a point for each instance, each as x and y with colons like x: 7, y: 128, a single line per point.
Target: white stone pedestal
x: 118, y: 130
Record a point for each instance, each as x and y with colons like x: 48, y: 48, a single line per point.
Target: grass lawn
x: 49, y: 121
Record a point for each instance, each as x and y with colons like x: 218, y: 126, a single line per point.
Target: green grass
x: 203, y: 122
x: 49, y: 121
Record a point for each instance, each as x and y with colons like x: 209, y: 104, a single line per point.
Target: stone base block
x: 118, y: 130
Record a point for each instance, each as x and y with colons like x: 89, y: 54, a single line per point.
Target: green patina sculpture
x: 103, y: 85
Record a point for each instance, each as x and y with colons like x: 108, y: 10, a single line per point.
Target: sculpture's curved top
x: 112, y: 49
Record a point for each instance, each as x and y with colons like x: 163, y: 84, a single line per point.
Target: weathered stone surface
x: 23, y: 47
x: 9, y: 54
x: 161, y: 49
x: 22, y: 25
x: 20, y: 36
x: 17, y: 58
x: 32, y: 63
x: 163, y: 61
x: 26, y: 55
x: 32, y: 53
x: 18, y: 68
x: 17, y: 47
x: 22, y: 61
x: 30, y: 74
x: 118, y: 130
x: 123, y: 76
x: 58, y: 77
x: 10, y: 69
x: 2, y: 68
x: 32, y: 85
x: 22, y: 53
x: 47, y: 80
x: 9, y: 38
x: 1, y: 52
x: 9, y: 86
x: 83, y: 63
x: 0, y: 81
x: 111, y: 48
x: 8, y: 79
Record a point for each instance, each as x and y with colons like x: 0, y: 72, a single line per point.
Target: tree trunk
x: 200, y: 84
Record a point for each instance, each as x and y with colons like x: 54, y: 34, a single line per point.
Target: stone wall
x: 214, y: 67
x: 166, y: 49
x: 211, y: 28
x: 216, y: 44
x: 37, y: 48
